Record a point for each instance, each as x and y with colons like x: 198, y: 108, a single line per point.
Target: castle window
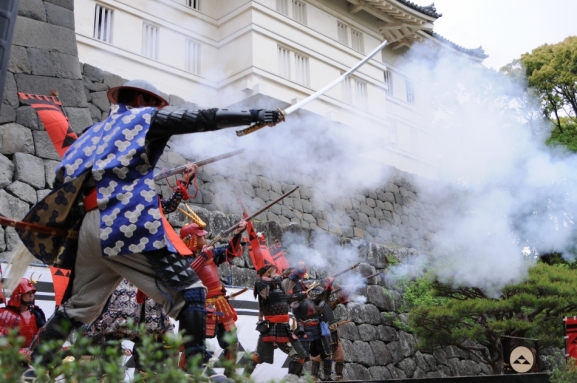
x: 357, y: 41
x: 299, y: 11
x: 150, y: 41
x: 284, y: 69
x: 192, y: 54
x: 194, y: 4
x: 361, y: 96
x: 302, y: 69
x: 103, y: 24
x: 410, y: 92
x: 282, y: 6
x: 388, y: 77
x: 343, y: 33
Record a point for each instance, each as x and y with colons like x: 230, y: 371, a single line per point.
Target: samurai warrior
x: 220, y: 316
x: 327, y: 301
x: 312, y: 328
x: 105, y: 187
x: 21, y: 313
x: 274, y: 319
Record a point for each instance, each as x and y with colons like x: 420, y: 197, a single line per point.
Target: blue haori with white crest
x: 114, y: 152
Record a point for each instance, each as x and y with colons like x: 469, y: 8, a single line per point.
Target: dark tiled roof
x: 429, y: 10
x: 478, y: 52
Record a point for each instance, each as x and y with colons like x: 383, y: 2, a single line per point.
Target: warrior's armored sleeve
x: 171, y: 120
x: 171, y: 203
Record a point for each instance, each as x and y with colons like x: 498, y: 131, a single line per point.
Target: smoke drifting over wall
x: 500, y: 189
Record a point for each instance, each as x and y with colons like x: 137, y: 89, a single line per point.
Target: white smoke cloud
x: 499, y: 188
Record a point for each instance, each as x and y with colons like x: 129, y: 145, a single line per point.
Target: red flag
x: 60, y: 279
x: 279, y: 256
x: 49, y: 108
x: 260, y: 254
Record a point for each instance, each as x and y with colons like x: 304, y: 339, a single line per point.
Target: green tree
x: 551, y: 71
x: 533, y: 308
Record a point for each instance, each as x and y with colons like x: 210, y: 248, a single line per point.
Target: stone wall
x: 381, y: 225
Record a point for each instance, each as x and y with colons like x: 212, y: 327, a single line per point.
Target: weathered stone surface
x: 367, y: 332
x: 59, y: 16
x: 2, y: 240
x: 11, y: 206
x: 23, y: 191
x: 408, y: 366
x: 395, y: 351
x: 363, y: 353
x: 348, y: 350
x: 440, y: 356
x: 354, y: 371
x: 381, y: 353
x: 19, y: 60
x: 6, y: 171
x: 44, y: 146
x: 10, y: 96
x: 42, y: 193
x: 419, y: 373
x: 456, y: 352
x: 33, y: 9
x: 387, y: 334
x: 7, y: 114
x: 380, y: 373
x: 396, y: 373
x: 40, y: 62
x: 68, y: 4
x: 66, y: 66
x: 100, y: 100
x: 93, y: 73
x: 50, y: 172
x: 71, y: 92
x: 79, y: 118
x: 36, y: 34
x: 27, y: 117
x: 112, y: 80
x: 29, y: 169
x: 408, y: 343
x: 421, y: 363
x: 15, y: 138
x: 371, y: 314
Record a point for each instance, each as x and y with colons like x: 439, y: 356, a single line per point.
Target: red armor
x: 24, y: 321
x: 207, y: 271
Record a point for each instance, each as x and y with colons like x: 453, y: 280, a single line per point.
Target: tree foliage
x: 551, y: 73
x: 533, y: 308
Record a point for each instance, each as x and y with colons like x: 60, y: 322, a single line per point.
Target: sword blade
x: 322, y: 91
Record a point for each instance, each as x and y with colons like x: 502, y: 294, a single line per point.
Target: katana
x: 182, y: 168
x: 314, y: 96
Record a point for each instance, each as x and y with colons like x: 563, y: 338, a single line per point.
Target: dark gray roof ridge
x: 477, y: 52
x: 429, y: 10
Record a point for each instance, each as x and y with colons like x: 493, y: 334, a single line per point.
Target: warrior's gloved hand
x: 207, y: 252
x: 266, y: 116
